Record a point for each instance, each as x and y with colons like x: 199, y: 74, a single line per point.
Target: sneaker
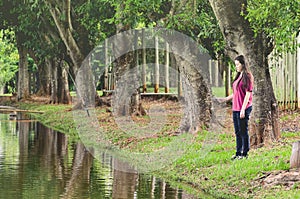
x: 236, y: 157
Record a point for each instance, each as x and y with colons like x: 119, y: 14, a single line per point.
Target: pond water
x: 37, y: 162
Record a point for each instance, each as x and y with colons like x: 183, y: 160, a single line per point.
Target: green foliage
x: 38, y: 30
x: 8, y: 57
x: 197, y: 20
x: 278, y: 19
x: 134, y: 12
x: 94, y: 16
x: 193, y: 18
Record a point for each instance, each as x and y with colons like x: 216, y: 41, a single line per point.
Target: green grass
x: 218, y: 91
x: 161, y: 90
x: 8, y: 94
x: 73, y: 93
x: 288, y: 135
x: 224, y: 175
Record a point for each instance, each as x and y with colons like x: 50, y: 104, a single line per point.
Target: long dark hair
x: 246, y: 74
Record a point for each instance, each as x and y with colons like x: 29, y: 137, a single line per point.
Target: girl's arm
x: 246, y: 100
x: 225, y: 99
x: 229, y: 97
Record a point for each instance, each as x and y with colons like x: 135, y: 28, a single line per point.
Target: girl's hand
x: 242, y: 114
x: 222, y: 100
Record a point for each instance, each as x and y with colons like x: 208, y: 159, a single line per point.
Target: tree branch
x: 68, y: 39
x: 67, y: 10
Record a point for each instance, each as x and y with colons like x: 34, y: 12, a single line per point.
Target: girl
x: 241, y: 106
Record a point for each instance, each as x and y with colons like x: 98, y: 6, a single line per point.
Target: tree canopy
x: 55, y: 32
x: 278, y: 19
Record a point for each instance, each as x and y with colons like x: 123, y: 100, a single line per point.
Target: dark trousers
x: 241, y: 132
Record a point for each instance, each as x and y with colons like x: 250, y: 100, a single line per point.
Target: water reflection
x: 37, y: 162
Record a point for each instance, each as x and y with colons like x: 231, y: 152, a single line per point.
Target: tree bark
x: 59, y: 85
x: 63, y: 93
x: 193, y: 72
x: 53, y: 64
x: 127, y: 97
x: 240, y: 39
x: 85, y: 87
x: 44, y: 80
x: 167, y: 75
x: 295, y: 157
x: 23, y: 90
x: 197, y: 97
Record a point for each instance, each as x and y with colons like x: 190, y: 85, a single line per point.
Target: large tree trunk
x: 23, y: 91
x: 59, y: 82
x: 127, y: 82
x: 63, y: 93
x: 192, y: 66
x: 240, y: 39
x: 53, y: 64
x: 127, y: 98
x: 196, y: 90
x: 44, y: 81
x: 197, y: 97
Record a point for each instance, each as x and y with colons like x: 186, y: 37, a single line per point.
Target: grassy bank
x: 196, y: 170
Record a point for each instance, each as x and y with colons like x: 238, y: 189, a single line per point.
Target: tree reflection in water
x: 48, y: 166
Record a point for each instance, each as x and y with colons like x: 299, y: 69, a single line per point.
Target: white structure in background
x: 298, y: 71
x: 285, y: 74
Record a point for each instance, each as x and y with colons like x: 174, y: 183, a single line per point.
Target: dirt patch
x: 33, y: 99
x: 7, y: 100
x: 289, y: 179
x: 289, y: 121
